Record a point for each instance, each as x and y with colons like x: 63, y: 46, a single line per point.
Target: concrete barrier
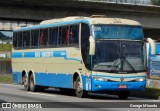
x: 152, y: 83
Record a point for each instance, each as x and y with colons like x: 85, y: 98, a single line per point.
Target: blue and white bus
x: 153, y: 60
x: 85, y: 54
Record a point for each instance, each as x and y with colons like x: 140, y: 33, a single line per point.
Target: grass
x: 6, y: 78
x: 5, y: 47
x: 149, y: 93
x: 5, y: 59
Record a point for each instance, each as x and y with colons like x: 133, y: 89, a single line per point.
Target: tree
x: 155, y: 2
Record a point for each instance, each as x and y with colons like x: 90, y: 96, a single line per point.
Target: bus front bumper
x: 114, y: 86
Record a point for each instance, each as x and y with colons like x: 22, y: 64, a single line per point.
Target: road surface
x: 16, y: 93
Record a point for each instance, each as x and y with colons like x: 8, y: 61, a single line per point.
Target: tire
x: 26, y: 83
x: 123, y: 94
x: 78, y: 89
x: 33, y: 87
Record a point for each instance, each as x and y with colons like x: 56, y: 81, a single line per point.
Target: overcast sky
x: 8, y: 33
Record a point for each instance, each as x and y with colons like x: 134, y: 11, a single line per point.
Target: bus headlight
x: 100, y: 79
x: 140, y: 79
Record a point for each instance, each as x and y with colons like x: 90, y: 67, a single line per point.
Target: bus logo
x: 22, y: 54
x: 122, y: 79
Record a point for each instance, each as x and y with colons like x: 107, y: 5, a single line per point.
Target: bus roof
x: 94, y: 20
x: 79, y: 19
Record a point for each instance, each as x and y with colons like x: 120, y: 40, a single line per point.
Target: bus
x: 153, y: 61
x: 81, y: 54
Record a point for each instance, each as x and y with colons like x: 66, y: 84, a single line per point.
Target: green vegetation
x: 158, y: 40
x: 149, y: 93
x: 5, y: 59
x: 5, y: 47
x: 155, y: 2
x: 6, y: 78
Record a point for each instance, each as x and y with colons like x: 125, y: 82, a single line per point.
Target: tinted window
x: 34, y: 38
x: 74, y: 35
x: 15, y: 40
x: 85, y: 33
x: 43, y: 38
x: 19, y: 38
x: 63, y: 36
x: 26, y: 39
x: 53, y: 36
x: 118, y: 32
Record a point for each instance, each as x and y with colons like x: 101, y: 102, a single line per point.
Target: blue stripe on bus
x: 60, y: 80
x: 52, y: 25
x: 17, y: 77
x: 54, y: 80
x: 43, y: 55
x: 48, y: 79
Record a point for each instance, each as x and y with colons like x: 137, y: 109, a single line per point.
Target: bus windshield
x: 119, y: 56
x: 118, y: 32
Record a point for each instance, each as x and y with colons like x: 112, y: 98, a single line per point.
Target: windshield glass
x: 118, y: 32
x: 119, y: 56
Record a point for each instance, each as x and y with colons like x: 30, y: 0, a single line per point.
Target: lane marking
x: 41, y: 94
x: 14, y: 85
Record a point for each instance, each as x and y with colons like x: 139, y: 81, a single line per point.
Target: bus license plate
x: 122, y: 86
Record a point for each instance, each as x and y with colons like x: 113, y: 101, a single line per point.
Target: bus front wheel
x: 78, y: 89
x: 123, y: 94
x: 26, y: 83
x: 33, y: 87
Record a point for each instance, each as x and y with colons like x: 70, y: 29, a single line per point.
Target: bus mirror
x: 92, y: 45
x: 153, y: 46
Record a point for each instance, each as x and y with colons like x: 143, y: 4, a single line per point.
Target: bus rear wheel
x: 78, y: 89
x: 33, y: 87
x: 26, y: 83
x: 123, y: 94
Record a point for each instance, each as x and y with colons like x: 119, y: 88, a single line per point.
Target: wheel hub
x: 79, y: 88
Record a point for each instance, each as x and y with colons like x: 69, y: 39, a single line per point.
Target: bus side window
x: 53, y: 36
x: 43, y: 38
x: 34, y: 38
x: 26, y: 39
x: 85, y: 33
x: 63, y: 35
x: 19, y: 39
x: 74, y: 35
x: 15, y: 40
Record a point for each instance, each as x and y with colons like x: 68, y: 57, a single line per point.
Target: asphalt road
x: 16, y: 93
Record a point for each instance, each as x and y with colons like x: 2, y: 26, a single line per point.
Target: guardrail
x: 130, y: 2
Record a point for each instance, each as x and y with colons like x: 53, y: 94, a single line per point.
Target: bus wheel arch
x: 31, y: 72
x: 24, y: 73
x: 25, y: 80
x: 78, y: 86
x: 75, y: 75
x: 32, y: 82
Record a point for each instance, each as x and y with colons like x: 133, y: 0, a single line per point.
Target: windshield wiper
x: 124, y: 60
x: 129, y: 64
x: 114, y: 65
